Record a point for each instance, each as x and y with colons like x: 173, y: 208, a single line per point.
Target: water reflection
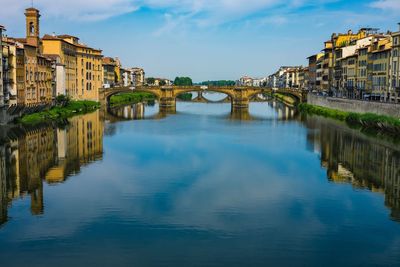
x: 199, y: 188
x: 274, y: 110
x: 351, y: 157
x: 46, y: 155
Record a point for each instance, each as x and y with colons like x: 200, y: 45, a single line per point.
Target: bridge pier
x: 168, y: 102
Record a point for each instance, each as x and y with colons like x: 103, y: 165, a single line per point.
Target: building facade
x: 2, y: 29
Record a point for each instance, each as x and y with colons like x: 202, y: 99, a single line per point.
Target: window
x: 31, y: 29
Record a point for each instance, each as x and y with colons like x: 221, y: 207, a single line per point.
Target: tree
x: 151, y: 81
x: 183, y: 81
x: 162, y: 83
x: 219, y: 83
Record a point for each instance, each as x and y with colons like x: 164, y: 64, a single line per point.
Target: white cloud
x: 70, y: 9
x: 390, y: 5
x: 216, y: 10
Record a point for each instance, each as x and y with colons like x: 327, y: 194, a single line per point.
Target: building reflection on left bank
x: 48, y: 155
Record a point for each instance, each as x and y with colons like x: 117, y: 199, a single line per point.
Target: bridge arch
x: 294, y: 94
x: 111, y: 92
x: 208, y: 90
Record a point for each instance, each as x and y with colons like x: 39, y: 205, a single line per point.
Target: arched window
x: 31, y: 29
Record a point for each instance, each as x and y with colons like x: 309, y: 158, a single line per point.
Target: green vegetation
x: 60, y: 112
x: 219, y: 83
x: 365, y: 121
x: 151, y: 81
x: 185, y: 96
x: 286, y: 99
x: 183, y: 81
x: 130, y: 98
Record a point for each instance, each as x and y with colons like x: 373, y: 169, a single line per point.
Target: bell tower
x: 32, y: 16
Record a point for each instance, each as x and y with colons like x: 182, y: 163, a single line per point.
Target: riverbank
x: 59, y: 113
x: 130, y: 98
x: 366, y: 121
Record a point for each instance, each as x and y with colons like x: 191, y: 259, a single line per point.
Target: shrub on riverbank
x: 366, y: 120
x: 60, y: 112
x: 130, y: 98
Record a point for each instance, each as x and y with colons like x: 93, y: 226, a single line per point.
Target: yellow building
x: 379, y: 60
x: 362, y: 69
x: 118, y: 74
x: 327, y: 67
x: 55, y: 46
x: 88, y: 69
x: 37, y: 68
x: 44, y: 80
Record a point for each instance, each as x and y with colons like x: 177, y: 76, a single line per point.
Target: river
x: 202, y: 187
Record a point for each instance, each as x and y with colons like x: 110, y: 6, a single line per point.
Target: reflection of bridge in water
x: 200, y: 98
x: 138, y: 112
x: 239, y: 96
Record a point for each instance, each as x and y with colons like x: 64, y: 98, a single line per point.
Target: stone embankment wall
x: 356, y: 106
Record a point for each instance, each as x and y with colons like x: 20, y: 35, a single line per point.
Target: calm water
x: 202, y: 187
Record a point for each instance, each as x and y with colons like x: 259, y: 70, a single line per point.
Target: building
x: 89, y: 70
x: 303, y: 78
x: 380, y: 55
x: 38, y: 71
x: 395, y: 67
x: 327, y: 67
x: 246, y: 81
x: 138, y: 76
x: 312, y: 70
x: 109, y: 72
x: 2, y: 92
x: 126, y: 76
x: 65, y: 55
x: 118, y: 67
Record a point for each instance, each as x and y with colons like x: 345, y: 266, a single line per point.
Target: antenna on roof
x: 32, y: 3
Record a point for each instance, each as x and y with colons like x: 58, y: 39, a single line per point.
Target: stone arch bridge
x: 240, y: 96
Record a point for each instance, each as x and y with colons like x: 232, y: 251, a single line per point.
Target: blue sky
x: 204, y: 39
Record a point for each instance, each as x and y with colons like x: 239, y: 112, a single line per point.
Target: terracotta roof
x: 67, y: 36
x: 21, y: 40
x: 108, y: 61
x: 51, y: 37
x: 31, y: 9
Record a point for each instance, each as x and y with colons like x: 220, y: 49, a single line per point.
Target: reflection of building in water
x: 50, y: 154
x: 79, y: 144
x: 284, y: 112
x: 351, y: 157
x: 130, y: 112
